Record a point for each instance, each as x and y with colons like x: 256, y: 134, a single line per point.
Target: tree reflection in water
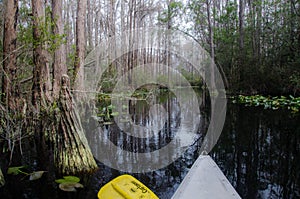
x: 258, y: 151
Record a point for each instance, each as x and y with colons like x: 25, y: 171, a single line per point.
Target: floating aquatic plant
x: 268, y: 102
x: 69, y: 183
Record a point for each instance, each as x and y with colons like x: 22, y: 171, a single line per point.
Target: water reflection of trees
x: 259, y: 152
x: 148, y: 115
x: 163, y: 181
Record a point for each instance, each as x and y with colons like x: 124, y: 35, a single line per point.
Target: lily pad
x: 59, y: 181
x: 67, y: 179
x: 72, y: 178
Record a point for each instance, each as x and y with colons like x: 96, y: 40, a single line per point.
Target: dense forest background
x: 256, y: 43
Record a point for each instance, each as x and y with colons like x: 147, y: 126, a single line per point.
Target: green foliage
x: 32, y: 176
x: 295, y: 82
x: 269, y: 59
x: 15, y: 170
x: 291, y: 103
x: 71, y: 59
x: 226, y: 37
x: 194, y: 80
x: 171, y: 12
x: 197, y: 13
x: 25, y: 29
x: 69, y: 183
x: 109, y: 79
x: 26, y: 42
x: 47, y: 39
x: 106, y: 111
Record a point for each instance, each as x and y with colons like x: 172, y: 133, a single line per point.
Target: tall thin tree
x: 80, y: 45
x: 59, y: 62
x: 9, y: 52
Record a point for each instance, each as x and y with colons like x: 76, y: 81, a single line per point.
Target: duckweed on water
x: 291, y: 103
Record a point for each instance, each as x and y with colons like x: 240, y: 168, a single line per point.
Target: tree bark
x: 10, y: 98
x: 71, y: 151
x: 90, y: 19
x: 2, y: 180
x: 9, y: 87
x: 70, y: 148
x: 41, y: 97
x: 80, y: 45
x: 59, y: 62
x: 211, y: 72
x: 41, y: 75
x: 210, y: 30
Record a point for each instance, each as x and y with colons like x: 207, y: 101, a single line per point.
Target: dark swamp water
x: 258, y: 151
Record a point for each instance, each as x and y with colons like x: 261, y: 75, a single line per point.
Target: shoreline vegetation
x: 290, y: 102
x: 269, y: 102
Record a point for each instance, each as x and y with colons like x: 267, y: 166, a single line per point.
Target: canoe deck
x: 205, y: 180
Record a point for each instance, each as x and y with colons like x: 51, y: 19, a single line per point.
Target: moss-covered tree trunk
x: 67, y: 143
x: 71, y: 151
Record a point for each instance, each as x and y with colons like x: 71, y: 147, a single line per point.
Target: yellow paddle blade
x: 125, y: 187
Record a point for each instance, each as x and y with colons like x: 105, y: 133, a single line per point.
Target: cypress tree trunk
x: 41, y: 96
x: 72, y: 153
x: 80, y: 45
x: 10, y: 54
x: 70, y: 150
x: 59, y: 61
x: 41, y: 74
